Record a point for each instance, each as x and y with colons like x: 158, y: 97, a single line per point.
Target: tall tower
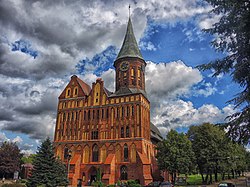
x: 106, y: 131
x: 130, y: 66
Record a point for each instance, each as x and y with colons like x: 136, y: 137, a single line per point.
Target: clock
x: 124, y: 66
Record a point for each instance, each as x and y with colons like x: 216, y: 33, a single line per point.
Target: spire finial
x: 129, y: 10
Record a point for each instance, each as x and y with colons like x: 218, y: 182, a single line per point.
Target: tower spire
x: 129, y: 47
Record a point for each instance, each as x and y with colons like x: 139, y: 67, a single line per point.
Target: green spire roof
x: 129, y: 47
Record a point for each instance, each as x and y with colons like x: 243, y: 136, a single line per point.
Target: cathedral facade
x: 98, y: 131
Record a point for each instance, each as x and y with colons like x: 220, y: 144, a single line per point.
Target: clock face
x: 124, y: 66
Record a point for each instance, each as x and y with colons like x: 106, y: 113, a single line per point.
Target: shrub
x: 13, y: 185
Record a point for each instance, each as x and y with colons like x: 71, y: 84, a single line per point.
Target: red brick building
x: 107, y: 131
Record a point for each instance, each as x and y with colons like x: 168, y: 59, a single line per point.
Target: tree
x: 208, y: 143
x: 175, y: 154
x: 233, y: 38
x: 215, y: 152
x: 10, y: 159
x: 28, y: 159
x: 48, y: 170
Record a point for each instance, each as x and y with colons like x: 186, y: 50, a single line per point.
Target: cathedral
x: 105, y: 133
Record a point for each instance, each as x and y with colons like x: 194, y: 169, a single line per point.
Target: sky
x: 44, y: 43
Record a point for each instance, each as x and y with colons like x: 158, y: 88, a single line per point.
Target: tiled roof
x: 129, y: 47
x: 127, y: 91
x: 155, y: 133
x: 85, y: 87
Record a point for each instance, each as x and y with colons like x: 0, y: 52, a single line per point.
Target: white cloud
x: 168, y: 80
x: 17, y: 139
x: 3, y: 137
x: 179, y: 113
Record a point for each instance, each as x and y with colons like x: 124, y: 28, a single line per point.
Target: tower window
x: 94, y: 135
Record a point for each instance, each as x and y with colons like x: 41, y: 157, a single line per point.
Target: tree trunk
x: 206, y: 178
x: 216, y: 175
x: 223, y: 175
x: 203, y: 180
x: 211, y: 178
x: 232, y: 173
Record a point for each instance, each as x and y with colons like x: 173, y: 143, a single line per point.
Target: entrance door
x: 92, y: 174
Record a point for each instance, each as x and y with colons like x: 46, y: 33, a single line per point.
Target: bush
x: 97, y: 184
x: 13, y: 185
x: 133, y: 183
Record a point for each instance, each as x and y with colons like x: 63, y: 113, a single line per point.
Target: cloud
x: 178, y: 113
x: 169, y: 80
x: 3, y: 137
x: 17, y: 139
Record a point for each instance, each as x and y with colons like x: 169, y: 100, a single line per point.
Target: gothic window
x: 66, y: 150
x: 93, y: 116
x: 117, y: 112
x: 95, y: 153
x: 127, y: 110
x: 89, y: 115
x: 107, y: 113
x: 85, y: 115
x: 102, y: 113
x: 94, y: 135
x: 122, y: 111
x: 98, y: 113
x: 68, y: 92
x: 64, y: 116
x: 132, y: 72
x: 72, y: 116
x: 76, y: 115
x: 124, y: 173
x: 76, y: 90
x: 125, y: 153
x: 132, y: 110
x: 127, y: 131
x: 122, y: 132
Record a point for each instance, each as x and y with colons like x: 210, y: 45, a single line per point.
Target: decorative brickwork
x: 106, y: 131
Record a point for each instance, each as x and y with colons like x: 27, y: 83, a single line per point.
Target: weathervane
x: 129, y: 10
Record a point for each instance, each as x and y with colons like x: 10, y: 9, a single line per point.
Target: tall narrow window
x: 124, y: 173
x: 117, y: 112
x: 95, y: 153
x: 66, y: 151
x: 122, y: 132
x: 132, y: 110
x: 125, y: 153
x: 127, y: 131
x: 127, y: 110
x: 107, y: 113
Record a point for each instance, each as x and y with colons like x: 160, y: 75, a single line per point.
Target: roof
x: 129, y: 47
x: 127, y: 91
x: 85, y: 87
x: 155, y: 133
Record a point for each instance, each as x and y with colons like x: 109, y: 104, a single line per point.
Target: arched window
x: 127, y: 110
x: 95, y: 153
x: 132, y: 110
x: 66, y: 150
x: 122, y: 132
x: 124, y: 173
x: 125, y: 153
x: 127, y: 131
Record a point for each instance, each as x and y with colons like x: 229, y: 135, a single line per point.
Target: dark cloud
x: 6, y: 115
x: 33, y: 128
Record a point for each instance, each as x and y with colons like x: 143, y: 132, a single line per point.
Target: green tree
x: 175, y: 154
x: 233, y: 38
x: 10, y: 159
x: 208, y: 143
x: 48, y: 170
x: 28, y: 159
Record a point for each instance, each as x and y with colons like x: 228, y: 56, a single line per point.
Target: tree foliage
x: 10, y: 158
x: 233, y: 38
x: 48, y: 170
x: 175, y: 154
x: 215, y: 153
